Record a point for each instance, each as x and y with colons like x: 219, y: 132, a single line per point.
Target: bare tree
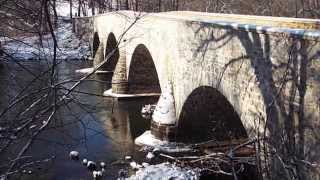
x: 71, y: 5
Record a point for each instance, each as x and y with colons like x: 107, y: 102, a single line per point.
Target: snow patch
x: 69, y: 46
x: 150, y: 155
x: 135, y: 166
x: 147, y: 139
x: 165, y: 171
x: 63, y: 9
x: 165, y: 112
x: 90, y: 70
x: 85, y: 70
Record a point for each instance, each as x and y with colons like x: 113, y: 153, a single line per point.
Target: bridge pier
x: 164, y: 121
x: 138, y: 83
x: 119, y: 79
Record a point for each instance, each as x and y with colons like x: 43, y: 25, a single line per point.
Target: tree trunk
x: 101, y: 7
x: 118, y: 5
x: 303, y: 9
x: 177, y: 5
x: 127, y: 4
x: 79, y: 8
x: 54, y: 7
x: 93, y: 7
x: 137, y: 5
x: 71, y: 9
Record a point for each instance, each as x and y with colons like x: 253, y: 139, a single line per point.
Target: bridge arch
x: 95, y: 44
x: 111, y: 50
x: 207, y: 114
x: 143, y: 76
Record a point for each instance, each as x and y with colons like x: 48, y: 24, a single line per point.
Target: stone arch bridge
x: 241, y: 76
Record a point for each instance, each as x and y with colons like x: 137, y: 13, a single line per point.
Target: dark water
x: 101, y: 129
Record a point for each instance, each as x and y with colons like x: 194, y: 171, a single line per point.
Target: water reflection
x: 101, y: 129
x: 126, y: 123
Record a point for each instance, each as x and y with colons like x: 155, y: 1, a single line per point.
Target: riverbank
x: 41, y: 47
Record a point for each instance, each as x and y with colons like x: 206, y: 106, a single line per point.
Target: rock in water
x: 148, y: 109
x: 84, y: 161
x: 102, y: 164
x: 128, y: 158
x: 122, y: 174
x: 150, y: 156
x: 156, y: 151
x: 97, y: 174
x: 74, y: 155
x: 135, y: 166
x: 91, y: 165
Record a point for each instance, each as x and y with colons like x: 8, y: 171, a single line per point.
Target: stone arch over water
x: 207, y: 115
x: 143, y: 76
x: 111, y: 52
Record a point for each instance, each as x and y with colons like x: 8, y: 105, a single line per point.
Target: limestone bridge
x: 230, y: 76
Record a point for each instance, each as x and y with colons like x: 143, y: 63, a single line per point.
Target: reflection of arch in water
x: 143, y: 76
x: 117, y: 127
x: 95, y: 44
x: 138, y: 124
x: 112, y: 52
x: 206, y: 115
x: 126, y: 123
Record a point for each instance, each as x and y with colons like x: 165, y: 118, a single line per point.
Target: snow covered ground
x: 69, y: 46
x: 165, y: 171
x: 63, y: 8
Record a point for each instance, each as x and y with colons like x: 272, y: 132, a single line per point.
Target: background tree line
x: 287, y: 8
x: 20, y: 17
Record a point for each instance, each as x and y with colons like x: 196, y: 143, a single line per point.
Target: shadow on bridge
x: 113, y: 50
x: 143, y: 76
x: 95, y: 44
x: 207, y: 115
x: 283, y: 66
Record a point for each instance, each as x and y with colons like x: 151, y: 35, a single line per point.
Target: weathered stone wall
x: 268, y: 72
x: 271, y: 80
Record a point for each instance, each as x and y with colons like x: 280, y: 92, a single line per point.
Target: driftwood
x: 226, y: 157
x: 239, y: 147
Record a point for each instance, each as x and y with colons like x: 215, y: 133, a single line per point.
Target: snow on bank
x: 147, y: 139
x: 63, y: 8
x: 165, y: 171
x: 69, y: 46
